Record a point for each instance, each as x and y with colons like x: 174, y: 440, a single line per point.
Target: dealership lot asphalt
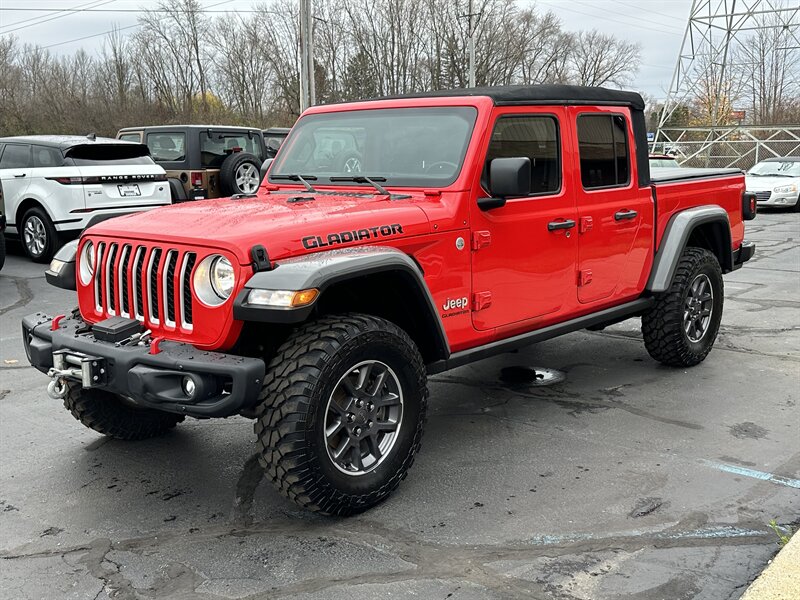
x: 627, y: 480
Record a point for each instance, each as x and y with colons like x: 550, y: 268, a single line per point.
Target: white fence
x: 736, y: 146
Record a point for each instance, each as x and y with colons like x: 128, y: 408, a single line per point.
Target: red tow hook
x: 56, y: 320
x: 154, y: 345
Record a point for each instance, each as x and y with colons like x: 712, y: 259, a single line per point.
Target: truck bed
x: 673, y: 174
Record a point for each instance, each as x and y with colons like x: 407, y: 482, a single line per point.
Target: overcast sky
x: 657, y: 25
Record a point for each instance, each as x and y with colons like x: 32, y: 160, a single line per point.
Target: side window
x: 167, y: 146
x: 16, y: 156
x: 46, y: 157
x: 131, y: 137
x: 535, y: 137
x: 603, y: 149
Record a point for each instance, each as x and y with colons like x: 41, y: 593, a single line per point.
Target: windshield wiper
x: 364, y: 179
x: 304, y: 179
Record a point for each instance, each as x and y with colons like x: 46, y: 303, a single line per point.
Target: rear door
x: 522, y: 267
x: 15, y: 174
x: 615, y: 215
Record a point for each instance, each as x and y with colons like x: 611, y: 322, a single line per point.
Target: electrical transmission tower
x: 707, y: 60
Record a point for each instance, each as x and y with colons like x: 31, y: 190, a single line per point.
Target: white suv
x: 56, y: 185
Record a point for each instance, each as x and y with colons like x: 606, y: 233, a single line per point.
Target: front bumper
x: 779, y: 200
x: 224, y: 384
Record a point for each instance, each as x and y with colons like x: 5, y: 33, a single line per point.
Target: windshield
x: 402, y: 146
x: 663, y: 162
x: 777, y: 168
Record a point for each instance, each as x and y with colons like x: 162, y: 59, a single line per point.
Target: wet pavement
x: 626, y: 480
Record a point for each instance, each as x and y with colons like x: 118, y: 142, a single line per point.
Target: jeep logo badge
x: 453, y: 303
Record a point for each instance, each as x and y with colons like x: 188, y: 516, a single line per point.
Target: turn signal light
x: 283, y: 298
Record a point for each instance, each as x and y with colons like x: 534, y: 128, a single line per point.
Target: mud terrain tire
x: 106, y: 413
x: 664, y: 326
x: 310, y: 371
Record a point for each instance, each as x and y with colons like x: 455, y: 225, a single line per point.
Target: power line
x: 596, y: 16
x: 650, y: 11
x: 94, y: 35
x: 116, y: 10
x: 43, y: 18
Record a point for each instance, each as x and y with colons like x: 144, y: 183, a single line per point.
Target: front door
x: 15, y: 173
x: 524, y: 253
x: 615, y: 214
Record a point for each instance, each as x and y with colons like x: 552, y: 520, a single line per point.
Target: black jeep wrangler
x: 204, y: 161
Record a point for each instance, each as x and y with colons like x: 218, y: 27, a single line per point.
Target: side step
x: 609, y: 315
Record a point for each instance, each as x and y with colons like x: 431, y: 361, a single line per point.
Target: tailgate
x: 125, y: 185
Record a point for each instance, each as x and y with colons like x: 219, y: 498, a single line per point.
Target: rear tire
x: 108, y: 414
x: 677, y: 331
x: 338, y: 388
x: 38, y: 235
x: 2, y: 249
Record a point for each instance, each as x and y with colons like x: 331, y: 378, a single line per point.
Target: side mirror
x: 265, y: 167
x: 508, y: 177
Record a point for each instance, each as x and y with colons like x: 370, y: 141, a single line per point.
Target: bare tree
x: 599, y: 59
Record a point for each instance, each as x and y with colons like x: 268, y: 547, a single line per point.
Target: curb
x: 781, y: 579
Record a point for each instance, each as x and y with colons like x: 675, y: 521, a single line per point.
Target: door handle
x: 19, y: 175
x: 625, y: 214
x: 556, y: 225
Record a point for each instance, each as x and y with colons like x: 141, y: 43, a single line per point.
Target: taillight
x: 66, y: 180
x: 197, y: 179
x: 749, y: 206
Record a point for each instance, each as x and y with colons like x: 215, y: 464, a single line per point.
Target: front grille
x: 152, y: 285
x: 762, y: 196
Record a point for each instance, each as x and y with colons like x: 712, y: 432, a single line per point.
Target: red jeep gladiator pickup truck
x: 390, y: 239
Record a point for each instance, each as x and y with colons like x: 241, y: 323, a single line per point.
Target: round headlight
x: 214, y: 280
x: 87, y: 263
x: 222, y: 278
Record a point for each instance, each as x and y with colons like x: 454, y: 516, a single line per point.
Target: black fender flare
x: 62, y: 269
x: 676, y: 237
x: 321, y: 270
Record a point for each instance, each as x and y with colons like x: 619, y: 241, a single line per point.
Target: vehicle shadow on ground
x: 207, y: 473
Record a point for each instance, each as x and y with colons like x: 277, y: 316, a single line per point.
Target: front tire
x: 680, y: 329
x: 38, y: 235
x: 108, y: 414
x: 342, y: 413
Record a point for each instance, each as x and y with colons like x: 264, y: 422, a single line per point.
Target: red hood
x: 283, y: 228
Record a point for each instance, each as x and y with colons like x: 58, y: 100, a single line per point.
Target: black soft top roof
x: 543, y: 94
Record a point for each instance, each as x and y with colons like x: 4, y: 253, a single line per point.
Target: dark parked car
x: 273, y: 138
x: 204, y: 161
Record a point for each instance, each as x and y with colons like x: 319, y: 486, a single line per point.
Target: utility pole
x: 471, y: 46
x: 308, y: 95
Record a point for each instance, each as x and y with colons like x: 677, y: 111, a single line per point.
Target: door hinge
x: 584, y: 277
x: 585, y: 225
x: 481, y: 300
x: 481, y: 239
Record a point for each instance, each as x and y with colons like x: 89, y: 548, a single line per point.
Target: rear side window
x: 167, y: 146
x: 108, y: 154
x: 216, y: 148
x: 16, y: 156
x: 603, y: 148
x: 44, y: 156
x: 535, y: 137
x: 131, y: 137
